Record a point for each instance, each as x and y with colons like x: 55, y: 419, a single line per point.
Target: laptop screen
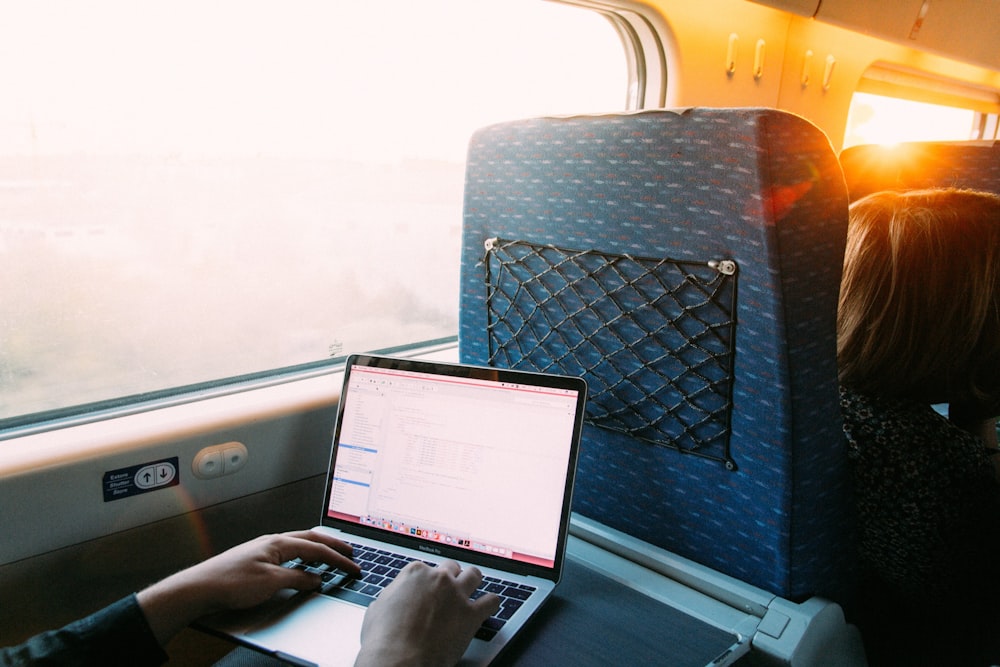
x: 470, y: 459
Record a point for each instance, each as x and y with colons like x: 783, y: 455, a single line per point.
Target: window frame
x: 645, y: 54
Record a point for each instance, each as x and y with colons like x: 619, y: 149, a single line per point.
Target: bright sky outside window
x: 191, y: 191
x: 875, y: 119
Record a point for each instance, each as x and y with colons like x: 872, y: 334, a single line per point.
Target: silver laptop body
x: 434, y: 461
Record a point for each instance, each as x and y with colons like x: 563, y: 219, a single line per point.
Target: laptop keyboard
x: 380, y: 567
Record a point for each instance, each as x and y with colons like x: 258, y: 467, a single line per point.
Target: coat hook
x: 734, y: 43
x: 806, y: 65
x: 758, y: 60
x: 828, y: 71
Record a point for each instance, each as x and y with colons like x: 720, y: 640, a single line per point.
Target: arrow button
x: 146, y: 477
x: 165, y: 473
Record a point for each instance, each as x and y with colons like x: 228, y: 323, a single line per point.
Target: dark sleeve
x: 115, y: 635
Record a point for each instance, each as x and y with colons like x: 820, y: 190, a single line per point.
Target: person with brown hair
x: 918, y: 327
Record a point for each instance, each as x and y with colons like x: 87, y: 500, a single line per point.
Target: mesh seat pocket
x: 653, y: 337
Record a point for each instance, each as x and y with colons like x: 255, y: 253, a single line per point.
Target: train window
x: 894, y: 104
x: 194, y: 191
x: 876, y: 119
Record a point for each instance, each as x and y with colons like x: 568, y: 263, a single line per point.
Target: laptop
x: 433, y: 461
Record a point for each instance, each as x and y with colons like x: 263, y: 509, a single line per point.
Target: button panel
x: 155, y: 475
x: 141, y: 478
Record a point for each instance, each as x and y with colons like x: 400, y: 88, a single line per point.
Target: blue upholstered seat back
x: 870, y: 168
x: 757, y: 187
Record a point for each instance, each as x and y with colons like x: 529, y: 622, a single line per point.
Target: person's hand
x: 424, y: 617
x: 241, y: 577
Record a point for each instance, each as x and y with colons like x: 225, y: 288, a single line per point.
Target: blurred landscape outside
x: 194, y: 191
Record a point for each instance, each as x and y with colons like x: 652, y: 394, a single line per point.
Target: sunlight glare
x: 874, y: 119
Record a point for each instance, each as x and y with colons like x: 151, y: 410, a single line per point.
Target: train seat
x: 686, y: 263
x: 871, y: 168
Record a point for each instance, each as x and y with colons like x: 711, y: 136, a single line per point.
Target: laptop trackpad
x: 323, y: 630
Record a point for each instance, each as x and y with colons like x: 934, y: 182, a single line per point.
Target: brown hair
x: 919, y: 309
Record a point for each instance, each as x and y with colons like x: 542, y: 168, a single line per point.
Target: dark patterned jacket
x: 115, y: 635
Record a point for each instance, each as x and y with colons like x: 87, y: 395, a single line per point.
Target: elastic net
x: 654, y: 338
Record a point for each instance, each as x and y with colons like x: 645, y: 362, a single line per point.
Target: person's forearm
x: 119, y: 634
x: 239, y: 578
x: 172, y: 604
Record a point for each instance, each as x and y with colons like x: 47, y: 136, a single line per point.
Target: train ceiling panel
x: 961, y: 29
